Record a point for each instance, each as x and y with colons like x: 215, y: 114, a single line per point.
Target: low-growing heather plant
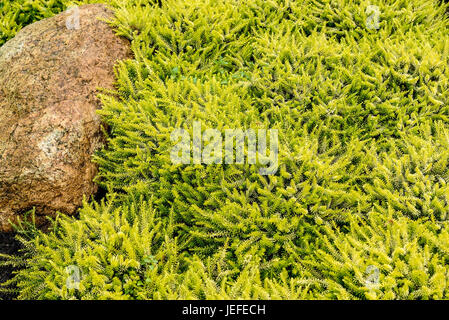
x: 361, y: 187
x: 382, y: 257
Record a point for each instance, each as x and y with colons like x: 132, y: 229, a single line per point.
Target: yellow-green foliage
x: 130, y: 252
x: 411, y: 258
x: 363, y: 139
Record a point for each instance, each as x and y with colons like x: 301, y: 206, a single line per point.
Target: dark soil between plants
x: 8, y: 245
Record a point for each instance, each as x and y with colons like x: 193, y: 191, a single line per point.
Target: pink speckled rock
x: 49, y: 129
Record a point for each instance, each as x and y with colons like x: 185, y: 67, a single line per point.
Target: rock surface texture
x: 49, y: 79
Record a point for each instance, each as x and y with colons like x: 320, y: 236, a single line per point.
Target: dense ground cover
x: 359, y: 205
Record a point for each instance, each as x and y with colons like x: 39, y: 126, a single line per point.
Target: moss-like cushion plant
x: 358, y: 208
